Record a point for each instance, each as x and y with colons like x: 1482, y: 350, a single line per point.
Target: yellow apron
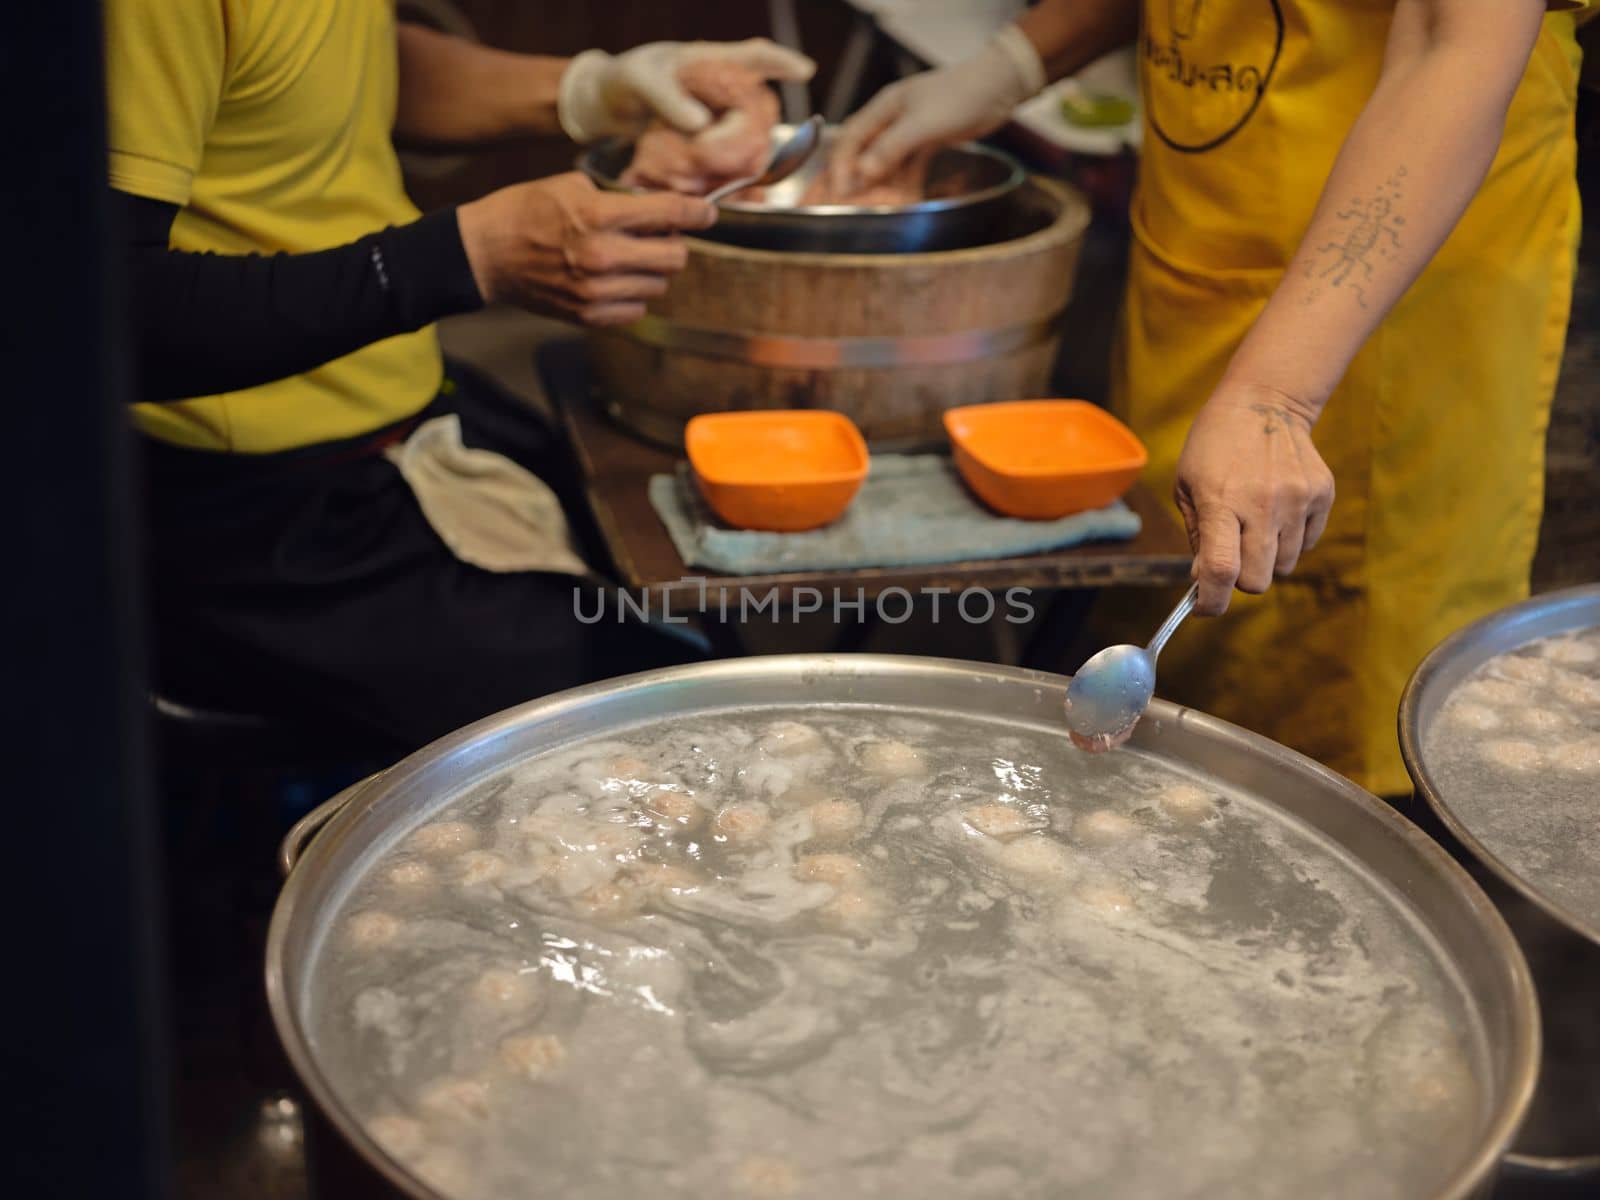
x: 1436, y: 435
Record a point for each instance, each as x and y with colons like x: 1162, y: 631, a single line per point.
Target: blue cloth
x: 912, y: 510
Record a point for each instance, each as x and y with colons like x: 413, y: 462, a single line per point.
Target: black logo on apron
x: 1204, y: 66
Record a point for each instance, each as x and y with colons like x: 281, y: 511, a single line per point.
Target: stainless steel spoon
x: 1110, y: 692
x: 785, y: 161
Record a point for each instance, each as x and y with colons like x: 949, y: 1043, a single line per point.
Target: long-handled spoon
x: 785, y: 161
x: 1110, y: 692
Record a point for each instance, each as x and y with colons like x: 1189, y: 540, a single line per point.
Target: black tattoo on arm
x: 1369, y: 229
x: 1269, y: 417
x: 1274, y: 417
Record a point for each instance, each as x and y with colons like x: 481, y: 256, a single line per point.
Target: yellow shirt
x: 269, y: 122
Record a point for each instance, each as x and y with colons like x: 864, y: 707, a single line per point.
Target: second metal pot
x: 1563, y: 948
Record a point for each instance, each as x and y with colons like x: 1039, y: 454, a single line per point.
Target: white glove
x: 603, y: 94
x: 936, y: 108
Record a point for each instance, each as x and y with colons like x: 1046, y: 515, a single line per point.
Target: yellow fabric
x: 269, y: 120
x: 1436, y: 435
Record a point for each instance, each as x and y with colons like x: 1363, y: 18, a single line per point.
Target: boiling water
x: 1515, y: 752
x: 842, y: 953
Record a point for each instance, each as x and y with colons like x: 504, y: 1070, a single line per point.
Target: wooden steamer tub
x: 890, y: 340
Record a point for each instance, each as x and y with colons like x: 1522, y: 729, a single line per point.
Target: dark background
x: 82, y: 1058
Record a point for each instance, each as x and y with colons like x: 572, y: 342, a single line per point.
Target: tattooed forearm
x: 1367, y: 230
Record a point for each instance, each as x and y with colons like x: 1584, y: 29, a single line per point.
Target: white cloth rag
x: 489, y: 511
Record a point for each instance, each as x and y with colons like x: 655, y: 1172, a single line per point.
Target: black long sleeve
x: 206, y: 323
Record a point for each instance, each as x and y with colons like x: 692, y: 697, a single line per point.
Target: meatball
x: 615, y: 901
x: 906, y: 185
x: 1578, y: 757
x: 1104, y: 827
x: 802, y: 794
x: 1580, y: 690
x: 1000, y: 820
x: 741, y: 824
x: 371, y: 929
x: 1571, y: 651
x: 1537, y: 671
x: 503, y: 988
x: 1478, y: 717
x: 892, y: 760
x: 480, y: 866
x: 785, y: 738
x: 533, y: 1056
x: 1512, y: 755
x: 1104, y: 896
x: 412, y: 875
x: 853, y: 910
x: 837, y: 869
x: 1037, y: 857
x: 1498, y: 692
x: 629, y: 767
x: 454, y: 1099
x: 1186, y: 803
x: 835, y: 821
x: 674, y: 810
x: 574, y: 873
x: 443, y: 839
x: 1540, y: 720
x: 663, y: 881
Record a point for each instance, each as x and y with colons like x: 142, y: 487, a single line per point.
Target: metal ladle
x: 785, y: 161
x: 1110, y: 692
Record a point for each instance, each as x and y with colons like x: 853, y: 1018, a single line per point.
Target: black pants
x: 309, y: 584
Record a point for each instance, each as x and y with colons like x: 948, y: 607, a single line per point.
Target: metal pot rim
x: 1070, y: 221
x: 1522, y: 1054
x: 1458, y: 646
x: 981, y: 215
x: 1012, y: 177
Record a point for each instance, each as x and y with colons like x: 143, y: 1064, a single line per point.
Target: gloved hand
x: 603, y: 94
x: 937, y: 108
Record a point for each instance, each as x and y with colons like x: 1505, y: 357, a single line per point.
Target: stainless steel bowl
x: 970, y: 188
x: 1563, y: 946
x: 1405, y: 863
x: 1443, y: 670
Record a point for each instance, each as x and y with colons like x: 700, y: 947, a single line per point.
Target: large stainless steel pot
x: 1464, y: 923
x: 970, y: 186
x: 1563, y: 946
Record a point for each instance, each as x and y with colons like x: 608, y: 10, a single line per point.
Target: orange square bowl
x: 1043, y: 459
x: 779, y: 469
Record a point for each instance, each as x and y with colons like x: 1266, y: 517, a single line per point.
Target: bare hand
x: 562, y: 247
x: 1254, y: 492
